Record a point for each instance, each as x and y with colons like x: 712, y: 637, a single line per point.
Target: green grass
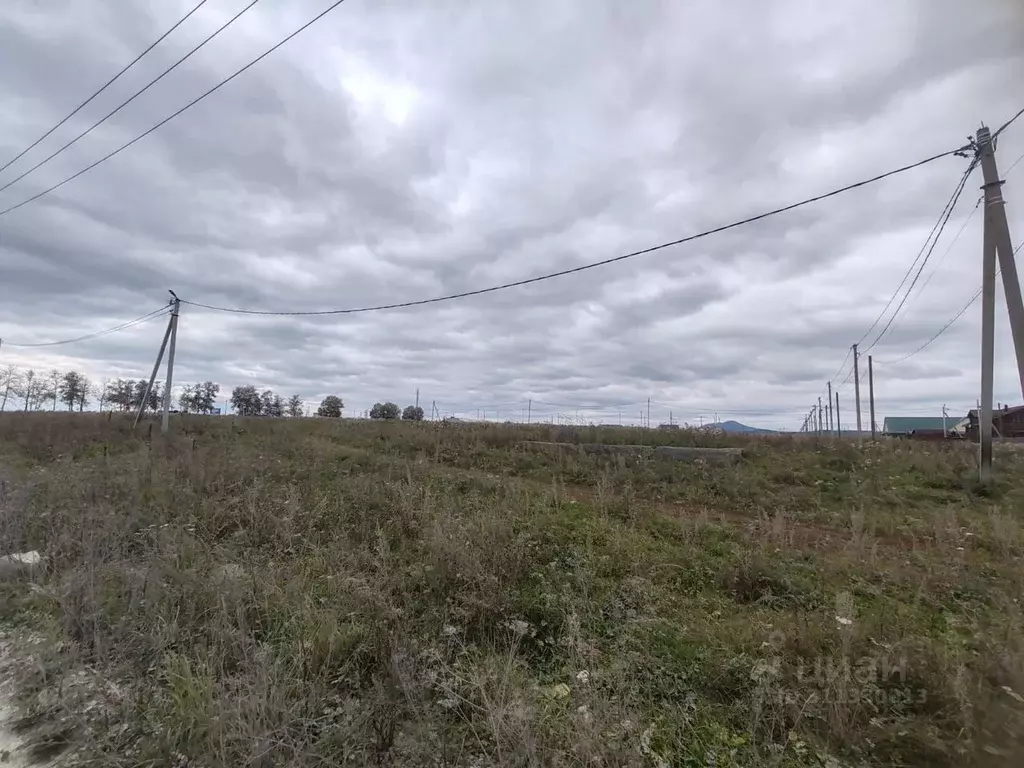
x: 270, y: 592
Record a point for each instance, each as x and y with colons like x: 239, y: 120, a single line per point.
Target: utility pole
x: 170, y: 365
x: 995, y: 220
x: 988, y: 338
x: 839, y: 430
x: 417, y: 397
x: 529, y: 410
x: 820, y: 416
x: 945, y: 429
x: 856, y: 385
x: 830, y: 407
x: 152, y: 376
x: 871, y: 395
x: 648, y: 413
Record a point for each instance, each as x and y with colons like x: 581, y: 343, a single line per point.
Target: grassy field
x: 313, y: 593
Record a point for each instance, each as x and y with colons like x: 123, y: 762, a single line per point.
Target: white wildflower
x: 518, y: 627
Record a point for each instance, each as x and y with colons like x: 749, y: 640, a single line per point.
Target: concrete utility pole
x: 988, y: 344
x: 871, y: 395
x: 995, y: 219
x: 856, y: 386
x: 165, y: 424
x: 830, y: 407
x: 945, y: 429
x: 529, y: 410
x: 820, y: 416
x: 648, y: 413
x: 152, y: 376
x: 839, y: 431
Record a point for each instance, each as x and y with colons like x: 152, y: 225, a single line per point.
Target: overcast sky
x: 401, y: 150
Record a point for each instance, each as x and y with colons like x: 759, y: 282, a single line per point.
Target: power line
x: 906, y: 275
x: 841, y: 367
x: 941, y: 227
x: 130, y: 99
x: 574, y: 270
x: 173, y: 115
x: 137, y: 321
x: 1008, y: 123
x: 946, y: 327
x: 949, y: 248
x: 104, y: 87
x: 1013, y: 165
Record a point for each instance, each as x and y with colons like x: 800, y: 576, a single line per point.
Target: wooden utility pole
x: 165, y: 424
x: 995, y: 221
x: 856, y: 386
x: 871, y: 395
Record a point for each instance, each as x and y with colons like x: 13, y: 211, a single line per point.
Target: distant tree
x: 330, y: 407
x: 53, y: 381
x: 273, y: 405
x: 387, y: 411
x: 9, y: 380
x: 187, y: 399
x: 412, y: 413
x: 294, y: 408
x: 121, y: 394
x: 84, y: 391
x: 71, y: 388
x: 99, y: 391
x: 139, y: 392
x: 28, y: 387
x: 206, y: 396
x: 136, y: 392
x: 246, y: 400
x: 199, y: 398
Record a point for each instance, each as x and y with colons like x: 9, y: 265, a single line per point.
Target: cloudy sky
x: 401, y: 150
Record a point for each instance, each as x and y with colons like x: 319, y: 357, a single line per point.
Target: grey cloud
x: 399, y: 151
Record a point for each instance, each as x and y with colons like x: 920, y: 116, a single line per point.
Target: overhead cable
x: 946, y: 327
x: 104, y: 87
x: 931, y: 248
x: 910, y: 269
x: 574, y: 270
x: 131, y: 98
x: 129, y: 324
x: 1008, y: 123
x: 843, y: 366
x: 173, y: 115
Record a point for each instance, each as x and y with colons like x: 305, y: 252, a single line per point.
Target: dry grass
x: 268, y: 592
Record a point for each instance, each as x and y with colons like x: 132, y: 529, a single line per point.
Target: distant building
x: 1007, y: 422
x: 920, y: 427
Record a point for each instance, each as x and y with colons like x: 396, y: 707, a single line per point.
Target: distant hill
x: 735, y: 426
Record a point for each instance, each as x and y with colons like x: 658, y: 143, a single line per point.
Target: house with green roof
x: 903, y: 426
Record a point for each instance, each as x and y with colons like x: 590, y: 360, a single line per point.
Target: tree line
x: 29, y: 390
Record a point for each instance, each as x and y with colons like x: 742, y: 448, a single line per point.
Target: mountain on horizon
x: 737, y: 427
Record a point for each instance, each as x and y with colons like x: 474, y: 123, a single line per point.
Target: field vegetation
x: 320, y: 592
